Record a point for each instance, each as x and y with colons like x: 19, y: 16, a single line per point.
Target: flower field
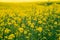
x: 30, y: 21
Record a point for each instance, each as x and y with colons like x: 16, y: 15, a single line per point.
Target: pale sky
x: 26, y: 0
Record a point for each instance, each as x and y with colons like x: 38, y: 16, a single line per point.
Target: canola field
x: 30, y: 21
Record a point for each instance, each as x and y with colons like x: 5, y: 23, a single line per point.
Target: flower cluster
x: 31, y: 21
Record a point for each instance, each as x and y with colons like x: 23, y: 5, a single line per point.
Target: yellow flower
x: 39, y: 22
x: 58, y: 17
x: 44, y: 19
x: 25, y: 32
x: 2, y: 24
x: 23, y: 25
x: 7, y: 30
x: 19, y: 19
x: 41, y: 16
x: 46, y: 14
x: 35, y: 18
x: 32, y: 25
x: 59, y: 38
x: 12, y: 14
x: 29, y: 23
x: 15, y: 25
x: 58, y: 10
x: 22, y: 14
x: 39, y: 29
x: 11, y: 36
x: 21, y: 29
x: 9, y: 23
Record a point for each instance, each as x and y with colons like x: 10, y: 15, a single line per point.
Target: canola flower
x: 40, y: 29
x: 21, y: 29
x: 25, y: 32
x: 30, y: 21
x: 32, y: 25
x: 7, y: 30
x: 11, y: 36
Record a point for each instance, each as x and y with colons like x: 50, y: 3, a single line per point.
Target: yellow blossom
x: 23, y: 25
x: 29, y: 23
x: 25, y: 32
x: 32, y: 25
x: 40, y: 22
x: 19, y: 19
x: 35, y: 18
x: 15, y: 24
x: 7, y: 30
x: 9, y: 23
x: 44, y: 19
x: 11, y: 36
x: 46, y: 14
x: 39, y: 29
x: 21, y: 29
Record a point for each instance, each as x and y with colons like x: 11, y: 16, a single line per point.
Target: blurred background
x: 27, y: 0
